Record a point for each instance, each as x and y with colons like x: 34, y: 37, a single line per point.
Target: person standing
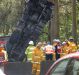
x: 49, y: 50
x: 58, y: 48
x: 72, y: 44
x: 29, y: 50
x: 36, y: 59
x: 65, y: 48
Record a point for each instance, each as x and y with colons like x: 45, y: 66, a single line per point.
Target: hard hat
x: 31, y: 42
x: 71, y: 38
x: 44, y: 43
x: 39, y: 44
x: 63, y: 43
x: 56, y: 40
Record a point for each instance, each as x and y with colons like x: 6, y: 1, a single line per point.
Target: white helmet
x: 56, y: 40
x: 31, y: 42
x: 63, y: 43
x: 39, y: 44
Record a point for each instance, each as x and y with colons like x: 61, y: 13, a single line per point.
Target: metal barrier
x: 18, y: 68
x: 45, y: 65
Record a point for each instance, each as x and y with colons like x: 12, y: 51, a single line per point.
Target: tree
x: 10, y: 13
x: 54, y: 26
x: 74, y: 27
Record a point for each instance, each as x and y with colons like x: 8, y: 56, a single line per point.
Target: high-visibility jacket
x: 49, y: 49
x: 36, y: 60
x: 66, y: 49
x: 3, y: 56
x: 1, y: 48
x: 73, y: 47
x: 28, y: 52
x: 37, y: 55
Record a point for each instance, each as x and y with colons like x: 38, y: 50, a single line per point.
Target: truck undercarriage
x: 35, y: 16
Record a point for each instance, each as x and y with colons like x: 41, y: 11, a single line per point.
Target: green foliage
x: 10, y: 12
x: 44, y: 35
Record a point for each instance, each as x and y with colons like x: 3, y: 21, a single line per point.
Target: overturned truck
x: 36, y: 14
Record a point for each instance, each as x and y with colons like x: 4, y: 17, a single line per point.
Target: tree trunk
x: 74, y: 27
x: 54, y: 26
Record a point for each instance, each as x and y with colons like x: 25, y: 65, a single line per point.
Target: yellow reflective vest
x: 73, y: 47
x: 29, y: 51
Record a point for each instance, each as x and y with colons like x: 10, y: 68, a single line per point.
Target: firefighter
x: 49, y: 50
x: 65, y: 48
x: 36, y: 59
x: 73, y: 46
x: 29, y: 50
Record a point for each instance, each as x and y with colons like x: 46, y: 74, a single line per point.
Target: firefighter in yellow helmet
x: 65, y: 48
x: 36, y: 59
x: 73, y: 46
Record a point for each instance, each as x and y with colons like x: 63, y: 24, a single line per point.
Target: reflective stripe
x: 49, y: 52
x: 38, y: 70
x: 36, y: 62
x: 37, y: 57
x: 44, y: 56
x: 29, y: 58
x: 49, y: 49
x: 29, y: 52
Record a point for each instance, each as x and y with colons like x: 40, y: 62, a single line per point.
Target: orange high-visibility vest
x: 2, y: 57
x: 1, y: 48
x: 49, y: 49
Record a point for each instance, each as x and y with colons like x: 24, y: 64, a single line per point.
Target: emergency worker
x: 49, y: 50
x: 3, y: 54
x: 29, y: 50
x: 58, y: 49
x: 36, y: 59
x: 65, y: 48
x: 73, y: 46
